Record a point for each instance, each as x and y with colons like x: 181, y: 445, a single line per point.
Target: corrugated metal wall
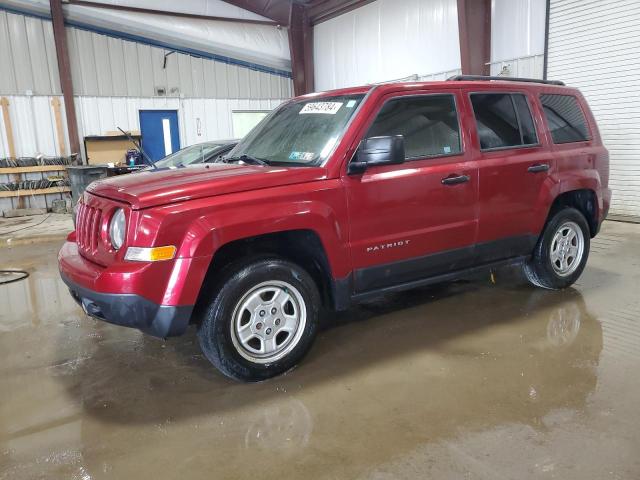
x: 517, y: 38
x: 517, y: 29
x: 27, y: 56
x: 528, y: 67
x: 595, y: 46
x: 114, y: 79
x: 386, y: 40
x: 199, y: 120
x: 108, y: 66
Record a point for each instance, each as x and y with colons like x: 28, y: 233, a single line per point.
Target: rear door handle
x: 455, y: 179
x: 538, y: 167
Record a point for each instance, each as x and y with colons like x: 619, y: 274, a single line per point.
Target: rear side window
x: 504, y: 120
x: 565, y: 118
x: 429, y: 125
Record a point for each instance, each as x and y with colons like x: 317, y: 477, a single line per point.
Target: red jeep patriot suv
x: 336, y: 197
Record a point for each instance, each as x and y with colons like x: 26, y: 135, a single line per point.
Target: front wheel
x: 562, y: 251
x: 262, y: 320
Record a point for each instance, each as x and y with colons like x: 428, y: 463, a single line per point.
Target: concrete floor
x: 51, y: 227
x: 469, y: 380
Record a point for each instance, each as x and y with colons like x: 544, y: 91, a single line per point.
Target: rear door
x: 515, y: 164
x: 416, y: 219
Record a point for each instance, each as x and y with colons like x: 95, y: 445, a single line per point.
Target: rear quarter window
x: 565, y: 118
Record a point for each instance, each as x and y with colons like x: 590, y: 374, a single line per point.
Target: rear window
x: 565, y: 118
x: 503, y: 120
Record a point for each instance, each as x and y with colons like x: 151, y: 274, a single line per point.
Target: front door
x: 159, y: 130
x: 416, y: 219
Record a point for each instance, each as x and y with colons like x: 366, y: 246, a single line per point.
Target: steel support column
x: 474, y: 30
x: 64, y: 70
x: 301, y: 48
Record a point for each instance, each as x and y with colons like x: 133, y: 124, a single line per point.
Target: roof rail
x: 508, y: 79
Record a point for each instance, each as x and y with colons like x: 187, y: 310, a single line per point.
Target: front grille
x: 88, y: 223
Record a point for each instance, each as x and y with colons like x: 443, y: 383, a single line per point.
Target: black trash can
x: 82, y: 175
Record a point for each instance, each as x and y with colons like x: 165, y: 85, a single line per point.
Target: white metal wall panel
x: 264, y: 45
x: 52, y: 59
x: 385, y: 40
x: 595, y: 46
x: 34, y: 128
x: 108, y: 66
x: 33, y: 120
x: 199, y: 119
x: 527, y: 67
x: 517, y: 29
x: 8, y: 77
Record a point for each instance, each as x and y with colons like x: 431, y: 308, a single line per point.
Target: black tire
x: 217, y: 339
x: 539, y: 270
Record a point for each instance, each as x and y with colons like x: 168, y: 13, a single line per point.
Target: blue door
x: 159, y: 130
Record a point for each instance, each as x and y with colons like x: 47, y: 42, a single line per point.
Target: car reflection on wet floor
x: 469, y: 379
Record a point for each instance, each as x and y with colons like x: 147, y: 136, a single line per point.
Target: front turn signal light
x: 150, y: 254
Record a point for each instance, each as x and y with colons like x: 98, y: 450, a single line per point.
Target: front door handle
x: 538, y: 167
x: 455, y: 179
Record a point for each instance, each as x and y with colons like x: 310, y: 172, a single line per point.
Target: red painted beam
x: 64, y: 71
x: 301, y: 48
x: 474, y: 30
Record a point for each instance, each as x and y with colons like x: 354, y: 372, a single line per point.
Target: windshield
x: 299, y: 133
x: 188, y: 155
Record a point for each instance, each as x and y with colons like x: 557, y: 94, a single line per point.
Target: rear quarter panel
x: 577, y: 165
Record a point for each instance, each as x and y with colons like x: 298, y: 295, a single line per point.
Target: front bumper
x: 125, y: 294
x: 130, y: 310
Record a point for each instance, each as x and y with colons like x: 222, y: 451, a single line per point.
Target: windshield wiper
x: 246, y: 159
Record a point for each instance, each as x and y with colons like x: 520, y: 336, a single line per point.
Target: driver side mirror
x: 378, y: 151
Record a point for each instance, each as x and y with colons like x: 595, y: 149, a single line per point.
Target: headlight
x: 117, y: 229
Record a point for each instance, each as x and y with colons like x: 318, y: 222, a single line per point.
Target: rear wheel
x: 261, y: 321
x: 562, y: 251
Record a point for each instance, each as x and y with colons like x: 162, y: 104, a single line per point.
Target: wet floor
x: 471, y: 380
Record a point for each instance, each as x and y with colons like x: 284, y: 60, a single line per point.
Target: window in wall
x: 565, y: 118
x: 244, y: 121
x: 429, y: 125
x: 503, y: 120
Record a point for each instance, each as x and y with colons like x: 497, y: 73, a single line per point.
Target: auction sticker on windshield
x: 330, y: 108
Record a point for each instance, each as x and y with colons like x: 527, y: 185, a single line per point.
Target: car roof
x: 488, y: 84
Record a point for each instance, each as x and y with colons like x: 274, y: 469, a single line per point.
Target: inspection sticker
x: 304, y: 156
x: 330, y: 108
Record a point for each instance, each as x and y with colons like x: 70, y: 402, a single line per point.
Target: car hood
x: 160, y: 187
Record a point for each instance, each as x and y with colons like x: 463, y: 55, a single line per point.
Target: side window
x: 565, y: 118
x: 503, y: 120
x: 527, y: 128
x: 429, y: 125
